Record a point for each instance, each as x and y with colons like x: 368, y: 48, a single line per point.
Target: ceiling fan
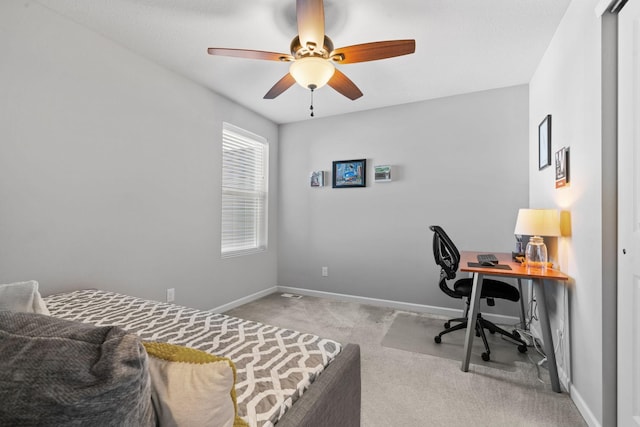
x: 312, y: 55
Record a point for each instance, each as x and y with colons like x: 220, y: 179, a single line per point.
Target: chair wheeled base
x: 481, y: 325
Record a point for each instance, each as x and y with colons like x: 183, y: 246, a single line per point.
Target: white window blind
x: 244, y: 191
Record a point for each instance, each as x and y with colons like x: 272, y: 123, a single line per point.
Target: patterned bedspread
x: 274, y: 366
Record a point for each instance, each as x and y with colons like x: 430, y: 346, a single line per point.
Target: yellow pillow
x: 192, y: 388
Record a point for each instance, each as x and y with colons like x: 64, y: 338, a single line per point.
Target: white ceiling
x: 461, y: 45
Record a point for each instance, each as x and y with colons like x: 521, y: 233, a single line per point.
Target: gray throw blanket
x: 55, y: 372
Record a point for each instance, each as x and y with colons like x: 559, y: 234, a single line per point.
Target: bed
x: 285, y: 378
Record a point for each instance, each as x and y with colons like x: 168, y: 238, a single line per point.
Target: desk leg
x: 471, y: 319
x: 523, y: 322
x: 547, y: 336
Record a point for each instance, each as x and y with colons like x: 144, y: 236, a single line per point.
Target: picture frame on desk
x: 544, y: 143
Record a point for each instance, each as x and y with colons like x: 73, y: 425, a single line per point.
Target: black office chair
x: 448, y: 258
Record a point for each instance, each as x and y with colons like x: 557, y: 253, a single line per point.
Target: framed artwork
x: 317, y: 179
x: 544, y: 143
x: 562, y: 167
x: 382, y: 173
x: 350, y: 173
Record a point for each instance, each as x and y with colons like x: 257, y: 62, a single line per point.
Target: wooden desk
x: 519, y: 272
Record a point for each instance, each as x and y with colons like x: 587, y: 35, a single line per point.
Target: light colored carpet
x: 408, y: 389
x: 414, y: 332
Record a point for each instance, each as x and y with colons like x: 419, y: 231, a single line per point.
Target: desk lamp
x: 537, y: 223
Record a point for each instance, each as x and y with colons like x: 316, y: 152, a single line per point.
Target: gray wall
x: 110, y: 169
x: 460, y: 162
x: 568, y: 85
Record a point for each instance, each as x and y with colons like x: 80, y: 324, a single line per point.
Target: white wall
x: 460, y: 162
x: 110, y: 169
x: 567, y: 85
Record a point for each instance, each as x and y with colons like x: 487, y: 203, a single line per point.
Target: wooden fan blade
x: 283, y: 84
x: 373, y: 51
x: 344, y: 85
x: 310, y: 16
x: 250, y: 54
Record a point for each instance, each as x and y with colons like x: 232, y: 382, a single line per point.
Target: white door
x: 629, y: 215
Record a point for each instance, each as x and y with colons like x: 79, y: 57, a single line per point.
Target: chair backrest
x: 447, y: 257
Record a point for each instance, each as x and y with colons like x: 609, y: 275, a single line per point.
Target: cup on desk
x: 536, y: 255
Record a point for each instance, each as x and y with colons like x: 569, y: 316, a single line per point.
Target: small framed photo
x: 562, y: 167
x: 382, y: 173
x: 317, y: 179
x: 350, y: 173
x: 544, y: 143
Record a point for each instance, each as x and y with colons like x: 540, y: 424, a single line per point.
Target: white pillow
x: 192, y: 388
x: 22, y: 297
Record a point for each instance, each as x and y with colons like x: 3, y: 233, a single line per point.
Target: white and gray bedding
x: 274, y: 366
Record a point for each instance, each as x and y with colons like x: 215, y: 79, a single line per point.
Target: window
x: 245, y: 157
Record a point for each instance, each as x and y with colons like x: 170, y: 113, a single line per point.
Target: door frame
x: 608, y: 11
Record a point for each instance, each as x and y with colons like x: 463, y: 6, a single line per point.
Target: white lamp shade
x: 538, y: 222
x: 312, y: 72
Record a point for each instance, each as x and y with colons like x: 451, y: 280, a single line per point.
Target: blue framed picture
x: 350, y: 173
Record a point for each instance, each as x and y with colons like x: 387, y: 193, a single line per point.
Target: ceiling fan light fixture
x: 312, y: 72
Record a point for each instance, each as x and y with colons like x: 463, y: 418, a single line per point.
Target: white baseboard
x: 245, y: 300
x: 564, y: 378
x: 397, y: 305
x: 583, y: 408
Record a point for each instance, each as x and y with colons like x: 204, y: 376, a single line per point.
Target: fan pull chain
x: 311, y: 108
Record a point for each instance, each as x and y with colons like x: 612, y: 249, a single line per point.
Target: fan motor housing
x: 299, y: 51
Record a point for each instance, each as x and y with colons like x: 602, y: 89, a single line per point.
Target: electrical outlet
x: 171, y: 295
x: 325, y: 271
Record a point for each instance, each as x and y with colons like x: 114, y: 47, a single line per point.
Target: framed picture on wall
x: 382, y: 173
x: 350, y: 173
x: 562, y: 167
x: 317, y: 179
x: 544, y: 143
